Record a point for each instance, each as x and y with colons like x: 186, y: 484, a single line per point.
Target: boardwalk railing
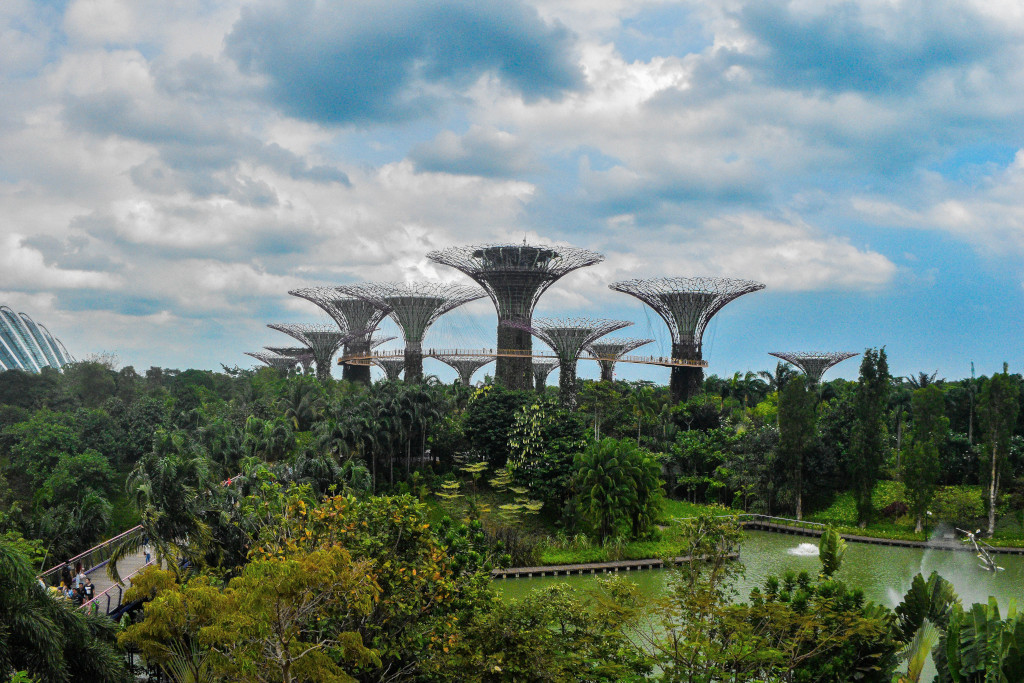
x: 110, y: 599
x: 94, y: 557
x: 367, y: 358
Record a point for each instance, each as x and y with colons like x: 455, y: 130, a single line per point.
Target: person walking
x: 146, y: 549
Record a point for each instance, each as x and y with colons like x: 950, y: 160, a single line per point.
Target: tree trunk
x: 920, y: 525
x: 992, y: 495
x: 799, y: 503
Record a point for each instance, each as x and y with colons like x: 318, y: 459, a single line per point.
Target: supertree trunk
x: 323, y: 372
x: 514, y: 373
x: 686, y: 381
x: 413, y: 363
x: 356, y: 373
x: 567, y: 383
x: 607, y: 370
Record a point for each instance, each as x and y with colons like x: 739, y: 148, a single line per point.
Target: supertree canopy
x: 813, y: 363
x: 392, y: 367
x: 414, y: 307
x: 542, y: 367
x: 464, y: 365
x: 567, y: 337
x: 608, y: 353
x: 355, y: 316
x: 515, y: 276
x: 301, y: 354
x: 687, y: 304
x: 323, y: 340
x: 273, y: 360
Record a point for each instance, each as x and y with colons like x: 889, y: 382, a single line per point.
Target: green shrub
x: 958, y: 505
x: 617, y: 489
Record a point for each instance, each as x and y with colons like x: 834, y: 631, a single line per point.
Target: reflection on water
x: 884, y: 573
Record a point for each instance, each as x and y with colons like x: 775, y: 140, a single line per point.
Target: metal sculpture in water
x: 813, y: 363
x: 687, y: 304
x: 414, y: 308
x: 567, y: 337
x: 515, y: 276
x: 609, y: 351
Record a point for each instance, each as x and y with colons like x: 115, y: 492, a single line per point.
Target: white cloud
x: 23, y: 268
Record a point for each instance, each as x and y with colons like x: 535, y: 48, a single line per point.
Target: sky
x: 168, y: 171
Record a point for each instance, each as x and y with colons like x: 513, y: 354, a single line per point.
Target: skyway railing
x: 94, y: 557
x: 110, y: 599
x: 368, y: 358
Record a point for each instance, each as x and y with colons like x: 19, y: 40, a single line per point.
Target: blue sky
x: 169, y: 170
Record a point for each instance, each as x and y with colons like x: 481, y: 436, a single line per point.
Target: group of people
x: 77, y: 588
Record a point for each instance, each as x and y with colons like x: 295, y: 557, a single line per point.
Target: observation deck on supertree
x: 466, y: 366
x: 813, y: 363
x: 686, y: 304
x: 567, y: 337
x: 541, y: 369
x: 354, y: 316
x: 323, y: 340
x: 608, y: 353
x: 301, y: 354
x: 515, y: 276
x: 392, y: 367
x: 414, y: 307
x: 273, y: 360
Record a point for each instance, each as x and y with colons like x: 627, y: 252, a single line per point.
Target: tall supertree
x: 464, y: 365
x: 323, y: 340
x: 687, y: 304
x: 515, y: 276
x: 609, y: 352
x: 355, y: 316
x: 392, y: 367
x: 414, y: 307
x: 301, y: 354
x: 273, y: 360
x: 567, y: 337
x: 813, y: 363
x: 542, y: 367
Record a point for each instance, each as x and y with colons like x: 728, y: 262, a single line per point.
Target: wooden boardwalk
x: 943, y: 544
x: 588, y: 568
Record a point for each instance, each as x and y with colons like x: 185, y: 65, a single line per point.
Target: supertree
x: 813, y: 363
x: 273, y: 360
x: 414, y: 307
x: 542, y: 367
x: 392, y: 367
x: 567, y: 337
x: 464, y: 365
x: 687, y: 304
x: 355, y: 316
x: 515, y: 276
x: 301, y: 354
x: 323, y: 340
x: 609, y: 352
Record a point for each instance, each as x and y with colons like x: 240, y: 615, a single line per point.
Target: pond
x: 884, y: 573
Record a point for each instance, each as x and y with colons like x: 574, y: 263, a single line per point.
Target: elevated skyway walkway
x: 368, y: 358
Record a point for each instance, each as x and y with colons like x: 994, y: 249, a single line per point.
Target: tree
x: 869, y: 437
x: 618, y: 489
x: 998, y: 407
x: 46, y: 636
x: 796, y: 433
x: 294, y: 618
x: 921, y: 466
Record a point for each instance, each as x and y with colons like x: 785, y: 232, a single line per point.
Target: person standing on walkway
x: 146, y: 550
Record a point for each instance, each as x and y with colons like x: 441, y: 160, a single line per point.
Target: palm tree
x: 923, y: 379
x: 47, y: 637
x: 777, y: 380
